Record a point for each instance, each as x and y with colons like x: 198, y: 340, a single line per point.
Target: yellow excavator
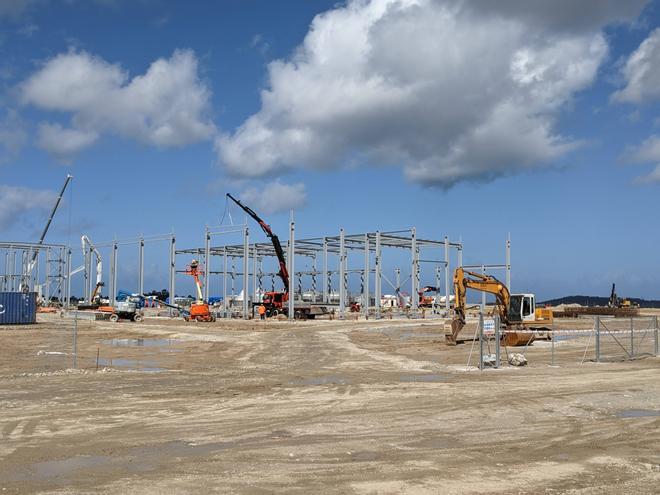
x: 516, y: 311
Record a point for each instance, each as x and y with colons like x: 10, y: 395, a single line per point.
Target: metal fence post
x: 655, y: 332
x: 598, y: 339
x: 632, y: 337
x: 246, y: 269
x: 497, y: 341
x: 481, y: 341
x: 75, y: 340
x: 552, y: 355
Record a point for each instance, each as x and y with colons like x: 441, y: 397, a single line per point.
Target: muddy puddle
x: 432, y: 377
x: 343, y: 380
x: 131, y: 364
x: 321, y: 380
x: 638, y: 413
x: 151, y: 353
x: 157, y: 344
x: 136, y: 459
x: 405, y: 335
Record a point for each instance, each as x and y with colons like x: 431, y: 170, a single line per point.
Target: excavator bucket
x: 516, y: 339
x: 456, y: 327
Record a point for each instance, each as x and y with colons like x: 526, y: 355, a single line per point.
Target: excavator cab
x: 522, y: 308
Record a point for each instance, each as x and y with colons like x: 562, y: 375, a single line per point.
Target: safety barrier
x: 608, y: 340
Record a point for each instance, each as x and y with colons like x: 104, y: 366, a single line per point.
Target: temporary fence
x: 607, y: 340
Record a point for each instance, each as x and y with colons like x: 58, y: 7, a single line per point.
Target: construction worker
x: 262, y: 311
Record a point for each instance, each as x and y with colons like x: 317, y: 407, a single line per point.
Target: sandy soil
x: 315, y: 407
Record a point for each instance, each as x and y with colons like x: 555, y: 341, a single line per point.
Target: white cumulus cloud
x: 168, y: 105
x: 450, y: 90
x: 646, y: 152
x: 275, y: 197
x: 63, y: 143
x: 642, y: 72
x: 18, y: 202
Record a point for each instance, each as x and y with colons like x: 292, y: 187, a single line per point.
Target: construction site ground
x: 314, y: 407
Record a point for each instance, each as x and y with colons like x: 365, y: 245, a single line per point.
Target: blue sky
x: 514, y: 120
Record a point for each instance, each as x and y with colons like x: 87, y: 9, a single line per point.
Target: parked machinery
x: 127, y: 309
x: 199, y: 309
x: 426, y: 301
x: 516, y: 311
x: 620, y: 302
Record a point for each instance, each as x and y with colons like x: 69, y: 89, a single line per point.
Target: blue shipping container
x: 17, y: 308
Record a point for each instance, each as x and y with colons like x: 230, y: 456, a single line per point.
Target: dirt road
x: 313, y: 407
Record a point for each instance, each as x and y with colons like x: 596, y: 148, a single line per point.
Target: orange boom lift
x: 199, y: 309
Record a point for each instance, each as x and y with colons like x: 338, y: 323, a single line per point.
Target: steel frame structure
x: 342, y: 246
x: 339, y: 256
x: 50, y: 275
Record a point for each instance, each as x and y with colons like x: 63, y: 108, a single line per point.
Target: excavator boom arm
x: 464, y: 280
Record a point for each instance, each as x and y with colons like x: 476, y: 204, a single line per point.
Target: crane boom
x: 283, y: 273
x: 52, y: 213
x: 35, y: 254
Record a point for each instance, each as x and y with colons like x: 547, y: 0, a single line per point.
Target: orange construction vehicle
x: 199, y: 309
x: 426, y: 301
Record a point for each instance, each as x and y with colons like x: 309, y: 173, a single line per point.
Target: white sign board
x: 489, y: 325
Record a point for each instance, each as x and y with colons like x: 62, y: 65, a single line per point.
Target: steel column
x: 254, y: 275
x: 326, y: 278
x: 87, y: 273
x: 141, y: 265
x: 460, y: 254
x: 5, y: 279
x: 67, y: 294
x: 291, y: 262
x: 483, y: 294
x: 377, y: 275
x: 508, y: 263
x: 46, y: 286
x: 365, y: 294
x: 207, y: 263
x: 172, y: 270
x: 414, y: 270
x: 246, y: 268
x: 447, y: 291
x: 225, y: 304
x: 342, y: 273
x: 113, y: 273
